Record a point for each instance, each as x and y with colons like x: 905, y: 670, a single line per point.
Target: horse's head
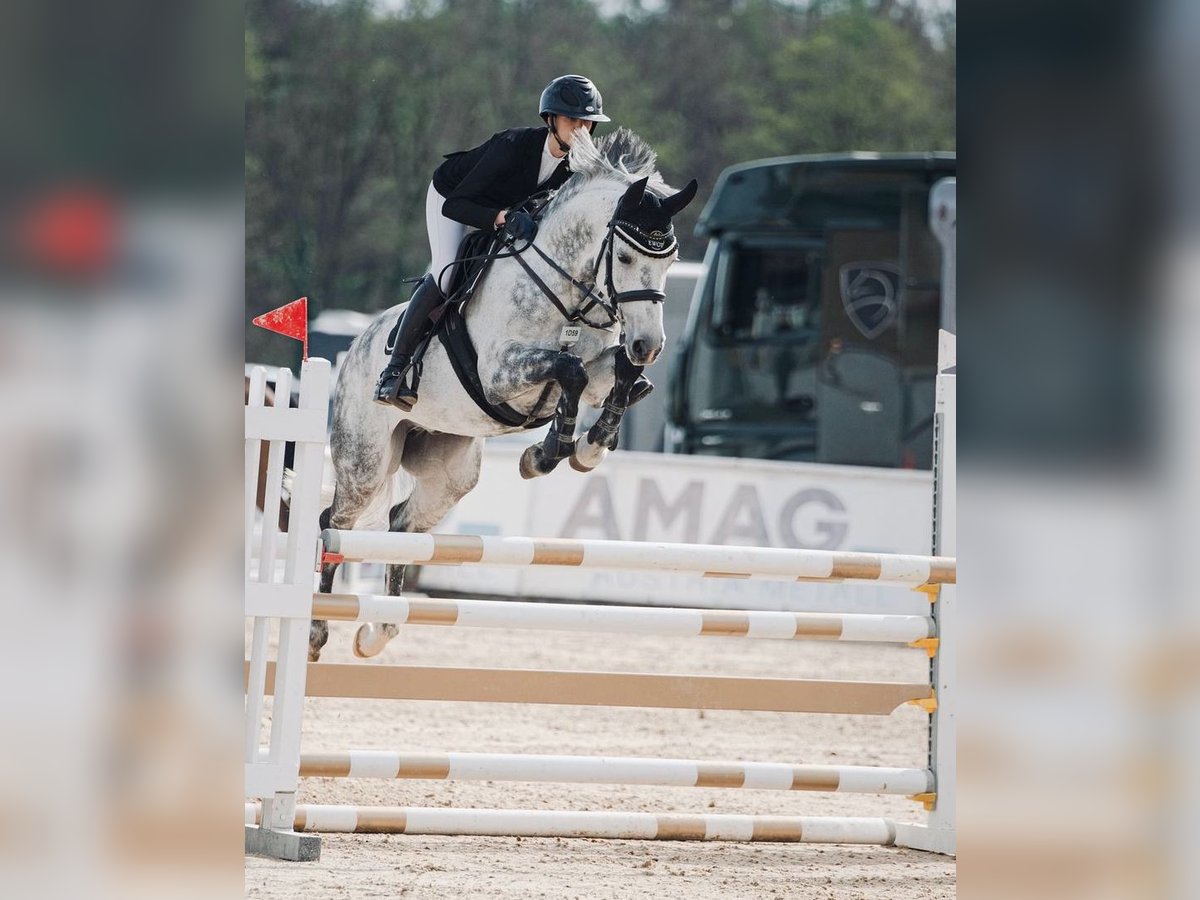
x: 643, y: 248
x: 618, y: 235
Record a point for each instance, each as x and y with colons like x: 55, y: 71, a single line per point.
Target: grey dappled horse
x: 602, y: 250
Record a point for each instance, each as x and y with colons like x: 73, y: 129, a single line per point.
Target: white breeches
x: 444, y: 236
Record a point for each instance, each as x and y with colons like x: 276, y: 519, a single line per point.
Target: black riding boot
x: 391, y: 389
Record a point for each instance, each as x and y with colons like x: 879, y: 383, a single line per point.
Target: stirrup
x: 392, y: 390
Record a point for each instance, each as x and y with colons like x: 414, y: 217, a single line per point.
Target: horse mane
x: 621, y: 156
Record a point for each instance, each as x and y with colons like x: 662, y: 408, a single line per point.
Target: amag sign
x: 708, y: 511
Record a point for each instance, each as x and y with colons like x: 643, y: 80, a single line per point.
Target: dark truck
x: 813, y: 335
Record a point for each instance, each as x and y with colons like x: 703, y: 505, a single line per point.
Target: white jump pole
x: 612, y: 825
x: 701, y: 559
x: 545, y: 768
x: 623, y: 619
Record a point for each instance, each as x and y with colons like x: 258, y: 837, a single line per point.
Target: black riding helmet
x: 573, y: 96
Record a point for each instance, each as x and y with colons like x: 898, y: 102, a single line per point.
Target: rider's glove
x: 519, y: 225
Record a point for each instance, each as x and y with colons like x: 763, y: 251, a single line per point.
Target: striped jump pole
x: 701, y: 559
x: 564, y: 824
x: 623, y: 619
x: 543, y: 768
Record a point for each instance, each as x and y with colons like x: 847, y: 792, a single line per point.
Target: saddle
x: 475, y: 256
x: 476, y: 253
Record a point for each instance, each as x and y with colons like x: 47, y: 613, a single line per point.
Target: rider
x: 478, y: 188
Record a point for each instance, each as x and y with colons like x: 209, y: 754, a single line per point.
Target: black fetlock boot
x: 391, y: 389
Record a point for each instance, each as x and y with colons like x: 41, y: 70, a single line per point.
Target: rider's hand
x: 519, y: 225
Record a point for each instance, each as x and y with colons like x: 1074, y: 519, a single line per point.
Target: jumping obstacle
x: 545, y: 769
x: 284, y: 595
x: 710, y: 692
x: 611, y: 825
x: 578, y: 617
x: 278, y: 825
x: 708, y: 560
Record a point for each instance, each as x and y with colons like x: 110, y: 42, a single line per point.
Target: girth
x: 452, y: 332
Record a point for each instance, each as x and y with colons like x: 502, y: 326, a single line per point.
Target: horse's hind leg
x: 371, y: 638
x: 357, y: 485
x: 318, y: 631
x: 341, y: 514
x: 445, y: 468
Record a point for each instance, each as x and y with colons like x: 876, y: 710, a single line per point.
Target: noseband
x: 655, y: 244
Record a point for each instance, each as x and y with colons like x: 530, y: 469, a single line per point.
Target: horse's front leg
x: 541, y: 459
x: 602, y: 437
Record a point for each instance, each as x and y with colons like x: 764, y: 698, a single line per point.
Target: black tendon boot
x: 391, y: 389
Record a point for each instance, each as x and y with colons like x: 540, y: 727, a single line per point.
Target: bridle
x: 654, y: 244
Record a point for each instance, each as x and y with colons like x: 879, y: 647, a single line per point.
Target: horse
x: 549, y: 334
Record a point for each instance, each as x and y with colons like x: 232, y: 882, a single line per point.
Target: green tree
x: 856, y: 79
x: 350, y: 109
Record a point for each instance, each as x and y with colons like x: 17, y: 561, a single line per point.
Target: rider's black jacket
x: 496, y: 175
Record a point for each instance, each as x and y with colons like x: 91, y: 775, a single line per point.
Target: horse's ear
x: 633, y: 196
x: 676, y: 202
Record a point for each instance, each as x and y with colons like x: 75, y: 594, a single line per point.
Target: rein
x: 656, y: 244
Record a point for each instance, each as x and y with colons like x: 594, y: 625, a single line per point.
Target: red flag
x: 291, y: 320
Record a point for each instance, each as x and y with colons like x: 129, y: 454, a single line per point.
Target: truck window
x: 770, y: 289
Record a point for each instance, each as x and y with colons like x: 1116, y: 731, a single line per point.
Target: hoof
x: 577, y: 461
x: 529, y: 462
x: 580, y: 467
x: 534, y: 461
x: 370, y: 640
